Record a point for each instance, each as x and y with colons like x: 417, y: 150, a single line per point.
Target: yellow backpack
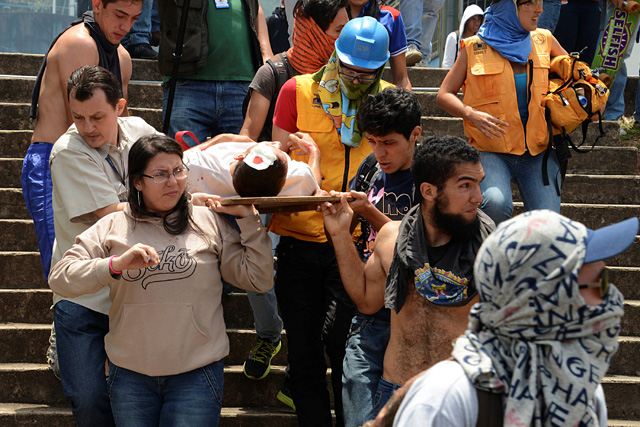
x: 574, y: 94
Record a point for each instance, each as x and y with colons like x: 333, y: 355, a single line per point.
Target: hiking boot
x: 258, y: 363
x: 284, y: 395
x: 413, y: 55
x: 142, y: 51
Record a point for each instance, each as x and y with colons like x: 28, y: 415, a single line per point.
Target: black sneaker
x: 142, y: 51
x: 258, y: 363
x: 284, y: 395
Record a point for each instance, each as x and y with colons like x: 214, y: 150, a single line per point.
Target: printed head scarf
x: 341, y: 99
x: 531, y: 336
x: 503, y: 32
x: 311, y: 46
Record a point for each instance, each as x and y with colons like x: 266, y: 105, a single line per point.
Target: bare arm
x: 69, y: 54
x: 263, y: 35
x: 361, y: 281
x: 126, y: 68
x: 304, y: 142
x: 556, y: 48
x: 399, y: 71
x: 281, y: 136
x: 109, y: 209
x: 256, y: 116
x: 449, y: 101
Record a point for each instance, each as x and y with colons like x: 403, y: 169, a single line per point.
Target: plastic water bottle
x: 583, y: 101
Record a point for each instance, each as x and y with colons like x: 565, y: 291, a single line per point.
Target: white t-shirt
x: 209, y: 171
x: 444, y: 397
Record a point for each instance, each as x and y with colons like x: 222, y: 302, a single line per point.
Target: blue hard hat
x: 363, y: 42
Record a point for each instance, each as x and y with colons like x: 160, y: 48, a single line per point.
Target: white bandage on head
x: 260, y: 157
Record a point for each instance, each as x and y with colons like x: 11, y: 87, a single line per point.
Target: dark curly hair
x: 435, y: 160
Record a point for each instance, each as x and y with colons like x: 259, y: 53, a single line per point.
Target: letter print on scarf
x: 532, y: 336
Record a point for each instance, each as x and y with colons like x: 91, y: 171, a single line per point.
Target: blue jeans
x: 206, y: 107
x: 266, y: 319
x: 420, y: 20
x: 526, y: 171
x: 615, y: 104
x: 549, y: 17
x: 362, y: 368
x: 155, y: 17
x: 383, y: 394
x: 36, y: 189
x: 189, y: 399
x: 80, y: 343
x: 141, y: 30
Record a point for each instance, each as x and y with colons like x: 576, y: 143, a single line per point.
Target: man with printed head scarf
x: 542, y: 336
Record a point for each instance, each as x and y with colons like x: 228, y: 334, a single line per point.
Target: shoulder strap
x: 370, y: 168
x: 490, y: 412
x: 281, y: 71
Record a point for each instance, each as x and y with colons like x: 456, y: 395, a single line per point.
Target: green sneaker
x: 284, y: 395
x: 258, y: 363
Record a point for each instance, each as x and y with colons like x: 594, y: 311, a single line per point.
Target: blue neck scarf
x: 503, y: 32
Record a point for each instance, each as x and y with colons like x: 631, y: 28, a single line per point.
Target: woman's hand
x: 136, y: 257
x: 239, y: 211
x: 200, y: 199
x: 487, y: 124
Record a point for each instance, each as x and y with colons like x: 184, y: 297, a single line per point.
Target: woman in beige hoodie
x: 164, y: 260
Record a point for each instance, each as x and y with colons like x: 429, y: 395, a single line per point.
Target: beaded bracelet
x: 111, y: 267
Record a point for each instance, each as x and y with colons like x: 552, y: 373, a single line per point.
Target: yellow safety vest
x: 338, y: 166
x: 490, y: 87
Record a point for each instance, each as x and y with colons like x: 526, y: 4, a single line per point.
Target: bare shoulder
x: 388, y: 233
x: 386, y: 242
x: 125, y: 64
x: 76, y: 41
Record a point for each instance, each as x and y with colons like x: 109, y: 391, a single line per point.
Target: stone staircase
x: 602, y: 187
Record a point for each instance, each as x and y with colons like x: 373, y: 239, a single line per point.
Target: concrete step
x: 14, y: 143
x: 33, y: 306
x: 619, y: 391
x: 140, y: 94
x: 19, y: 382
x: 16, y: 116
x: 35, y: 383
x: 625, y: 362
x: 19, y: 64
x: 12, y: 204
x: 601, y: 189
x: 21, y: 270
x: 10, y: 172
x: 24, y: 414
x: 28, y: 342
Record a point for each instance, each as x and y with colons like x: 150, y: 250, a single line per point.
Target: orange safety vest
x: 338, y: 166
x: 490, y: 87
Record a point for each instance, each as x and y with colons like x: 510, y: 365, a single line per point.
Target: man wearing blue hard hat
x: 315, y: 307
